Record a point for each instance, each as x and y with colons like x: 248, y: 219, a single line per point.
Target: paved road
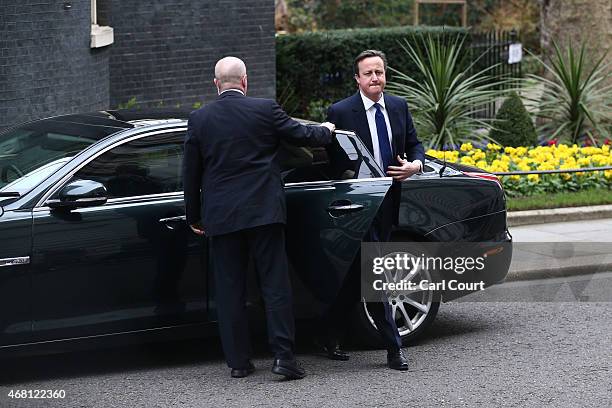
x: 554, y: 353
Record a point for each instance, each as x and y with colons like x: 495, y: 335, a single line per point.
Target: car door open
x: 333, y: 194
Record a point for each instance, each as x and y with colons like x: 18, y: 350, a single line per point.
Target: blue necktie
x: 383, y: 138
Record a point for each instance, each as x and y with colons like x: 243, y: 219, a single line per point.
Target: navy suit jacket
x: 350, y: 114
x: 231, y: 177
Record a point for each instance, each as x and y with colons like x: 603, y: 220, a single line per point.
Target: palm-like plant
x: 446, y: 101
x: 575, y: 100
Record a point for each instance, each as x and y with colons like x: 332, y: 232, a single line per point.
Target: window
x: 149, y: 165
x: 101, y: 35
x: 340, y: 160
x: 31, y: 152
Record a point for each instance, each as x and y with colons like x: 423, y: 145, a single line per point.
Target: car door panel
x: 115, y: 268
x: 130, y: 264
x: 332, y: 198
x: 321, y: 246
x: 15, y: 275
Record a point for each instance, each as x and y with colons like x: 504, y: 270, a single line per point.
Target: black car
x: 94, y: 244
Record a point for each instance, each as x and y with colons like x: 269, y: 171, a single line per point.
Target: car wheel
x: 413, y: 312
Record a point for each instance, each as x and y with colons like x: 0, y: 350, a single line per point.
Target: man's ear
x: 356, y: 79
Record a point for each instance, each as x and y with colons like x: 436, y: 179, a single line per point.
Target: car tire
x: 421, y: 309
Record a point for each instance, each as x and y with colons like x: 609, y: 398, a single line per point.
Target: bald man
x: 234, y: 194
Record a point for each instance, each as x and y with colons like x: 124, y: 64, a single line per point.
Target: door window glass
x: 149, y: 165
x: 341, y: 160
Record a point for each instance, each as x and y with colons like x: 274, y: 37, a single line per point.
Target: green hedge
x: 314, y: 69
x: 514, y: 126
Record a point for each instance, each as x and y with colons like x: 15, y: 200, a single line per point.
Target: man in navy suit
x: 384, y: 124
x: 234, y: 193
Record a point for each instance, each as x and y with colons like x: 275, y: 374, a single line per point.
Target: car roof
x: 121, y: 119
x: 152, y: 114
x: 124, y: 118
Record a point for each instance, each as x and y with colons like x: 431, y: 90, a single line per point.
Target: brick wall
x: 164, y: 53
x: 46, y: 65
x: 165, y: 50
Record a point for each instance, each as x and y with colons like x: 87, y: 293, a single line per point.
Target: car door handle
x: 343, y: 207
x: 173, y: 219
x: 170, y: 220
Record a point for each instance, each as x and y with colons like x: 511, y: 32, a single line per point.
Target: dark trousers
x: 265, y: 246
x: 350, y: 293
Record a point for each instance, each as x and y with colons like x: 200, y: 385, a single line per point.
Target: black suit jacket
x: 232, y: 180
x: 350, y: 114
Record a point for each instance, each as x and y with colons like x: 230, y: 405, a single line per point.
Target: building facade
x: 54, y: 56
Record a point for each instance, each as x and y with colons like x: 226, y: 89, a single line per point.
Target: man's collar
x: 368, y: 103
x: 231, y: 89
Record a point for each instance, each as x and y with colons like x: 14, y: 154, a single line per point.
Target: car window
x: 149, y: 165
x: 341, y: 160
x: 30, y: 152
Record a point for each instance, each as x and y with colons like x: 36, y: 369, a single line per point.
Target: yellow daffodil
x: 466, y: 147
x: 467, y: 160
x: 533, y: 177
x: 584, y: 162
x: 502, y: 159
x: 478, y: 154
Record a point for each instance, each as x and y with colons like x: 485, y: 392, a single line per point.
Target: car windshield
x: 32, y: 152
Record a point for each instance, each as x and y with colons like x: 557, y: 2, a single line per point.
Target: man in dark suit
x: 384, y: 124
x: 234, y: 193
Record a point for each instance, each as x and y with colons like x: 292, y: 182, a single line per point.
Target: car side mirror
x: 79, y: 194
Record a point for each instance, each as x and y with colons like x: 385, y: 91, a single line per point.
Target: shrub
x: 317, y: 110
x: 318, y: 66
x: 444, y: 100
x: 514, y: 126
x: 575, y: 104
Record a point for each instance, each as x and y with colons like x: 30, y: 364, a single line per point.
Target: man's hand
x: 197, y: 228
x: 407, y: 169
x: 329, y: 125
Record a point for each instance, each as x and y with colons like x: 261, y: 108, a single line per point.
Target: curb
x: 562, y: 272
x: 516, y: 218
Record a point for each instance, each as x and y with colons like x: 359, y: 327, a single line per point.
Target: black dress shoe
x: 288, y: 368
x: 243, y: 372
x: 334, y: 352
x: 396, y: 360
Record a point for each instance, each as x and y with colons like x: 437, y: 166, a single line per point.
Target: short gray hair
x: 230, y: 70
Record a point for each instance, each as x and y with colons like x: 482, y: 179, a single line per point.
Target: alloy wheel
x: 410, y: 309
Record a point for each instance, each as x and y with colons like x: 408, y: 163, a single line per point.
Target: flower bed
x: 495, y: 158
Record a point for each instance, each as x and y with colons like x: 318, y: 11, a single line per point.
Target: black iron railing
x: 527, y: 172
x: 491, y: 49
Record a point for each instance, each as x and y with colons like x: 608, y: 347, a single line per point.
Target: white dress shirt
x: 368, y: 104
x: 232, y: 89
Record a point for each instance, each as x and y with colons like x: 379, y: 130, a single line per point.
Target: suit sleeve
x: 296, y: 133
x: 413, y: 148
x: 331, y: 115
x: 192, y: 174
